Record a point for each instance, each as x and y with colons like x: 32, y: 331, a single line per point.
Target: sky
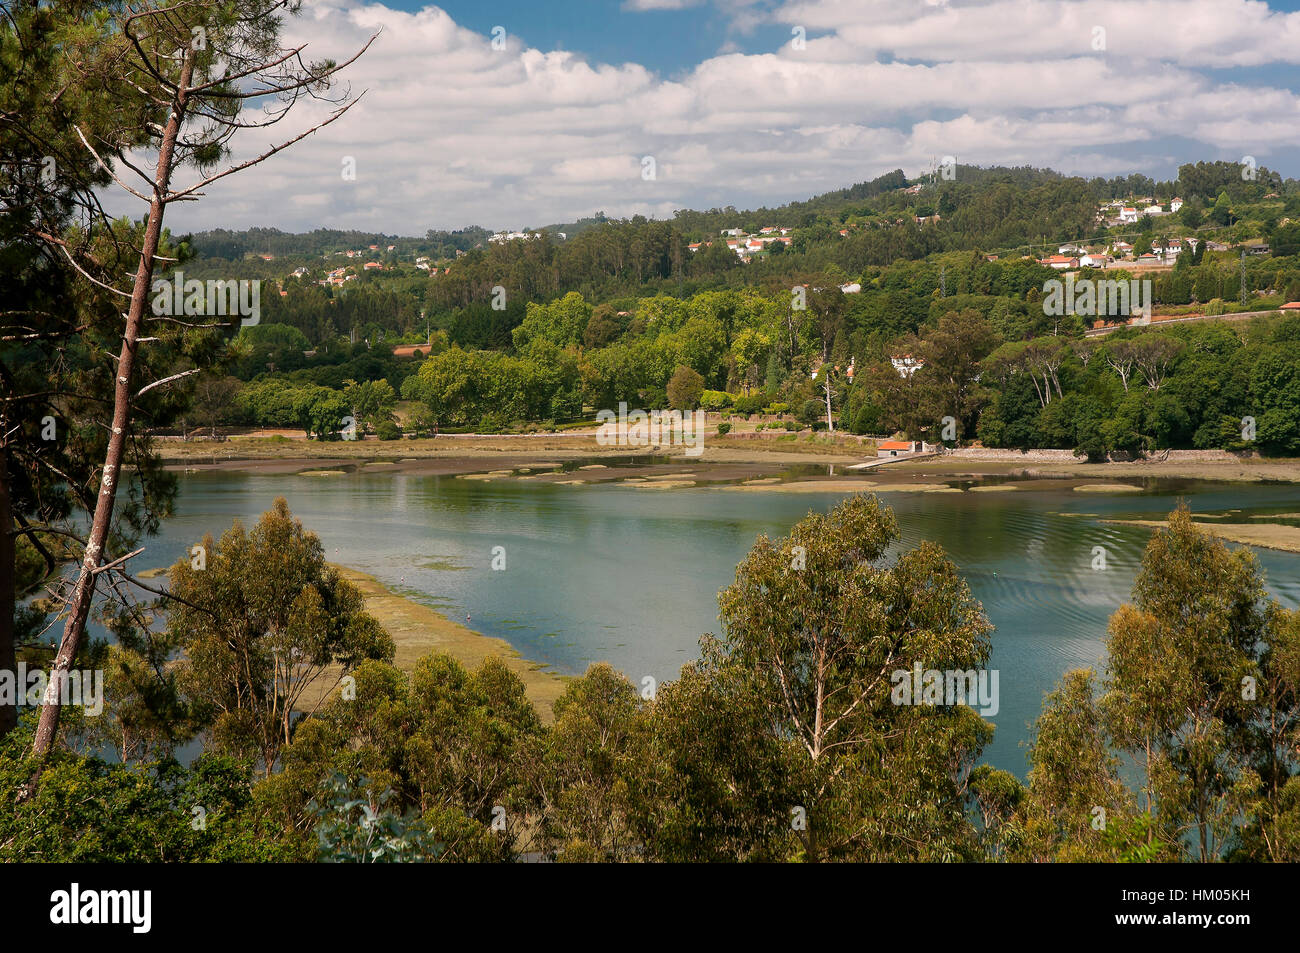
x: 522, y: 113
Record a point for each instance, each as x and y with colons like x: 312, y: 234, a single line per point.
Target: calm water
x: 628, y: 576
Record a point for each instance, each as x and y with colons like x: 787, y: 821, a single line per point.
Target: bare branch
x: 264, y: 156
x: 165, y: 380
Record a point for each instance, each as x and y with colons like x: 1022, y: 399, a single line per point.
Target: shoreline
x: 1264, y: 535
x: 725, y: 463
x: 418, y: 630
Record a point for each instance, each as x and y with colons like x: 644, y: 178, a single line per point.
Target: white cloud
x: 453, y: 132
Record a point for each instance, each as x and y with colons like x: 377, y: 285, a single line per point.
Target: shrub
x: 777, y: 409
x: 723, y: 429
x: 811, y: 411
x: 715, y: 400
x: 685, y: 389
x: 752, y: 404
x: 387, y: 430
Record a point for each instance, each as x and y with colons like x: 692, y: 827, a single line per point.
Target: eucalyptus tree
x: 268, y: 629
x: 827, y: 632
x: 1179, y: 696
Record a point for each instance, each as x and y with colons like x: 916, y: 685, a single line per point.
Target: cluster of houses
x: 906, y: 364
x: 1120, y: 213
x: 362, y: 252
x: 1164, y: 251
x: 337, y: 277
x: 499, y: 237
x: 746, y: 245
x: 424, y: 264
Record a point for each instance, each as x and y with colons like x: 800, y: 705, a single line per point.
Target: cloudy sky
x: 751, y: 102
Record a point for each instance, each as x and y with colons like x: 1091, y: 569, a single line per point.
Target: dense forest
x: 534, y: 332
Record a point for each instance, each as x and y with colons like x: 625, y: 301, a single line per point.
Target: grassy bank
x: 418, y: 630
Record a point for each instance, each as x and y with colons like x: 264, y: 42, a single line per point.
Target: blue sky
x: 585, y: 95
x: 668, y: 41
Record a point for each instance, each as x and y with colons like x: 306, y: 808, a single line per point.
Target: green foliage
x: 811, y: 411
x: 715, y: 400
x: 685, y: 388
x: 372, y: 402
x: 857, y: 760
x: 89, y: 811
x: 1199, y: 693
x: 353, y: 827
x: 261, y: 622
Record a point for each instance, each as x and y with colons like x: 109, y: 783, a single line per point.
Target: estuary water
x: 630, y: 576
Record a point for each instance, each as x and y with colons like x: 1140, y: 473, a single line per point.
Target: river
x: 630, y: 576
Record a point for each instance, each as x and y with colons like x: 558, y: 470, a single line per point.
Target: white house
x: 906, y: 364
x: 1128, y: 214
x: 1175, y: 204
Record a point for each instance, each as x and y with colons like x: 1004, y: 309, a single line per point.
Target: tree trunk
x: 8, y: 597
x: 79, y: 605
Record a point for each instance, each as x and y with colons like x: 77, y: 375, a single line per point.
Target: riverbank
x: 782, y: 463
x: 418, y: 630
x: 1264, y: 535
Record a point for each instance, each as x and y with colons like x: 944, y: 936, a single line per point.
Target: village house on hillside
x: 1060, y: 262
x: 906, y: 364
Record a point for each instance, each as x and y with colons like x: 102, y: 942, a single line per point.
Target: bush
x: 791, y: 425
x: 387, y: 430
x: 715, y: 400
x: 724, y: 429
x: 749, y: 405
x: 685, y: 389
x: 777, y: 409
x: 811, y: 411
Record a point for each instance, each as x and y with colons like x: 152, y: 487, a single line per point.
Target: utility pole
x: 1243, y: 276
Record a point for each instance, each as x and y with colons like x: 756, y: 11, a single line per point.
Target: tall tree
x: 264, y: 622
x: 820, y: 627
x: 182, y: 72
